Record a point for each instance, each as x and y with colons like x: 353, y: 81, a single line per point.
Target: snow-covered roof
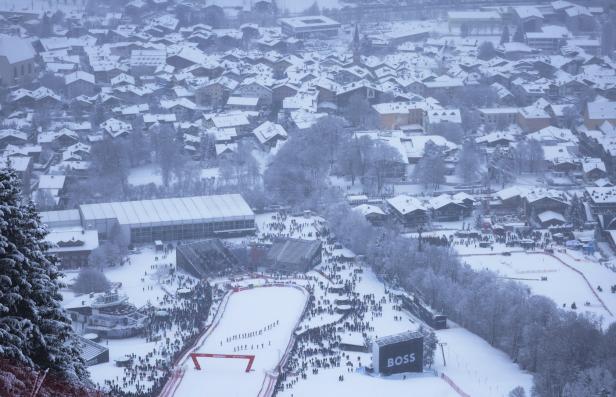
x: 524, y: 12
x: 602, y: 195
x: 230, y: 120
x: 315, y: 21
x: 473, y: 16
x: 405, y: 204
x: 198, y: 209
x: 61, y: 217
x: 601, y: 110
x: 367, y: 209
x: 551, y: 216
x: 441, y: 201
x: 16, y: 49
x: 415, y: 145
x: 242, y: 101
x: 51, y: 181
x: 269, y: 130
x: 72, y: 239
x: 79, y: 75
x: 591, y: 164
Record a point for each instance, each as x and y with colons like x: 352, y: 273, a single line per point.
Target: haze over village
x: 292, y: 198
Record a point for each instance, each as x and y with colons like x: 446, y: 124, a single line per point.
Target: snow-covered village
x: 300, y: 198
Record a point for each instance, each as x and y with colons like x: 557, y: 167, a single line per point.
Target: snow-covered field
x: 257, y: 312
x: 563, y: 285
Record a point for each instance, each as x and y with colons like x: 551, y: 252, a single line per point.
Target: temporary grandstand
x: 205, y: 258
x: 292, y: 255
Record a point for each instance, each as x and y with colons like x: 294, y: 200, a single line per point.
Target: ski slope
x: 254, y: 310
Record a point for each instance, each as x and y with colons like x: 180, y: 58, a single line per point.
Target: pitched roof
x: 16, y: 49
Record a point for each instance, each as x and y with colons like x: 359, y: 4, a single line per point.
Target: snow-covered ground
x: 361, y: 385
x: 476, y: 367
x: 144, y: 277
x: 257, y: 312
x: 562, y: 284
x: 472, y: 364
x: 144, y: 175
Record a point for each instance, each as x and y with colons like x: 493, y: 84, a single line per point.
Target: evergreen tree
x: 34, y: 329
x: 464, y: 30
x: 576, y: 212
x: 486, y: 51
x: 469, y: 162
x: 505, y: 35
x: 46, y: 26
x: 312, y: 10
x: 519, y: 36
x: 430, y: 170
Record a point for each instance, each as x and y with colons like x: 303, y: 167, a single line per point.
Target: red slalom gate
x: 249, y: 357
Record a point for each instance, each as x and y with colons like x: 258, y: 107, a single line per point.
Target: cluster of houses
x: 70, y: 84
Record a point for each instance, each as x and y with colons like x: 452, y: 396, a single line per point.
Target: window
x: 29, y: 68
x: 23, y: 69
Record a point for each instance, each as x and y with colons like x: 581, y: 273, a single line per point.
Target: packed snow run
x: 253, y: 322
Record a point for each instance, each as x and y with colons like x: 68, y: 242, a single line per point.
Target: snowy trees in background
x: 596, y: 381
x: 486, y: 51
x: 312, y: 10
x: 520, y: 35
x: 501, y: 167
x: 359, y: 112
x: 298, y: 170
x: 90, y: 280
x: 168, y: 148
x: 140, y: 145
x: 44, y: 200
x: 571, y: 116
x: 517, y: 392
x: 240, y: 169
x: 382, y: 161
x: 34, y: 329
x: 505, y: 35
x: 469, y: 162
x: 575, y: 212
x: 350, y: 160
x: 529, y: 156
x: 430, y: 170
x: 110, y: 160
x: 350, y: 227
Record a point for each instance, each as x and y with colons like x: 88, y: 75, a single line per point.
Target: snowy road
x: 270, y: 325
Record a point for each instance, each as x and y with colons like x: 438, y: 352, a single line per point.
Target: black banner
x: 404, y: 356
